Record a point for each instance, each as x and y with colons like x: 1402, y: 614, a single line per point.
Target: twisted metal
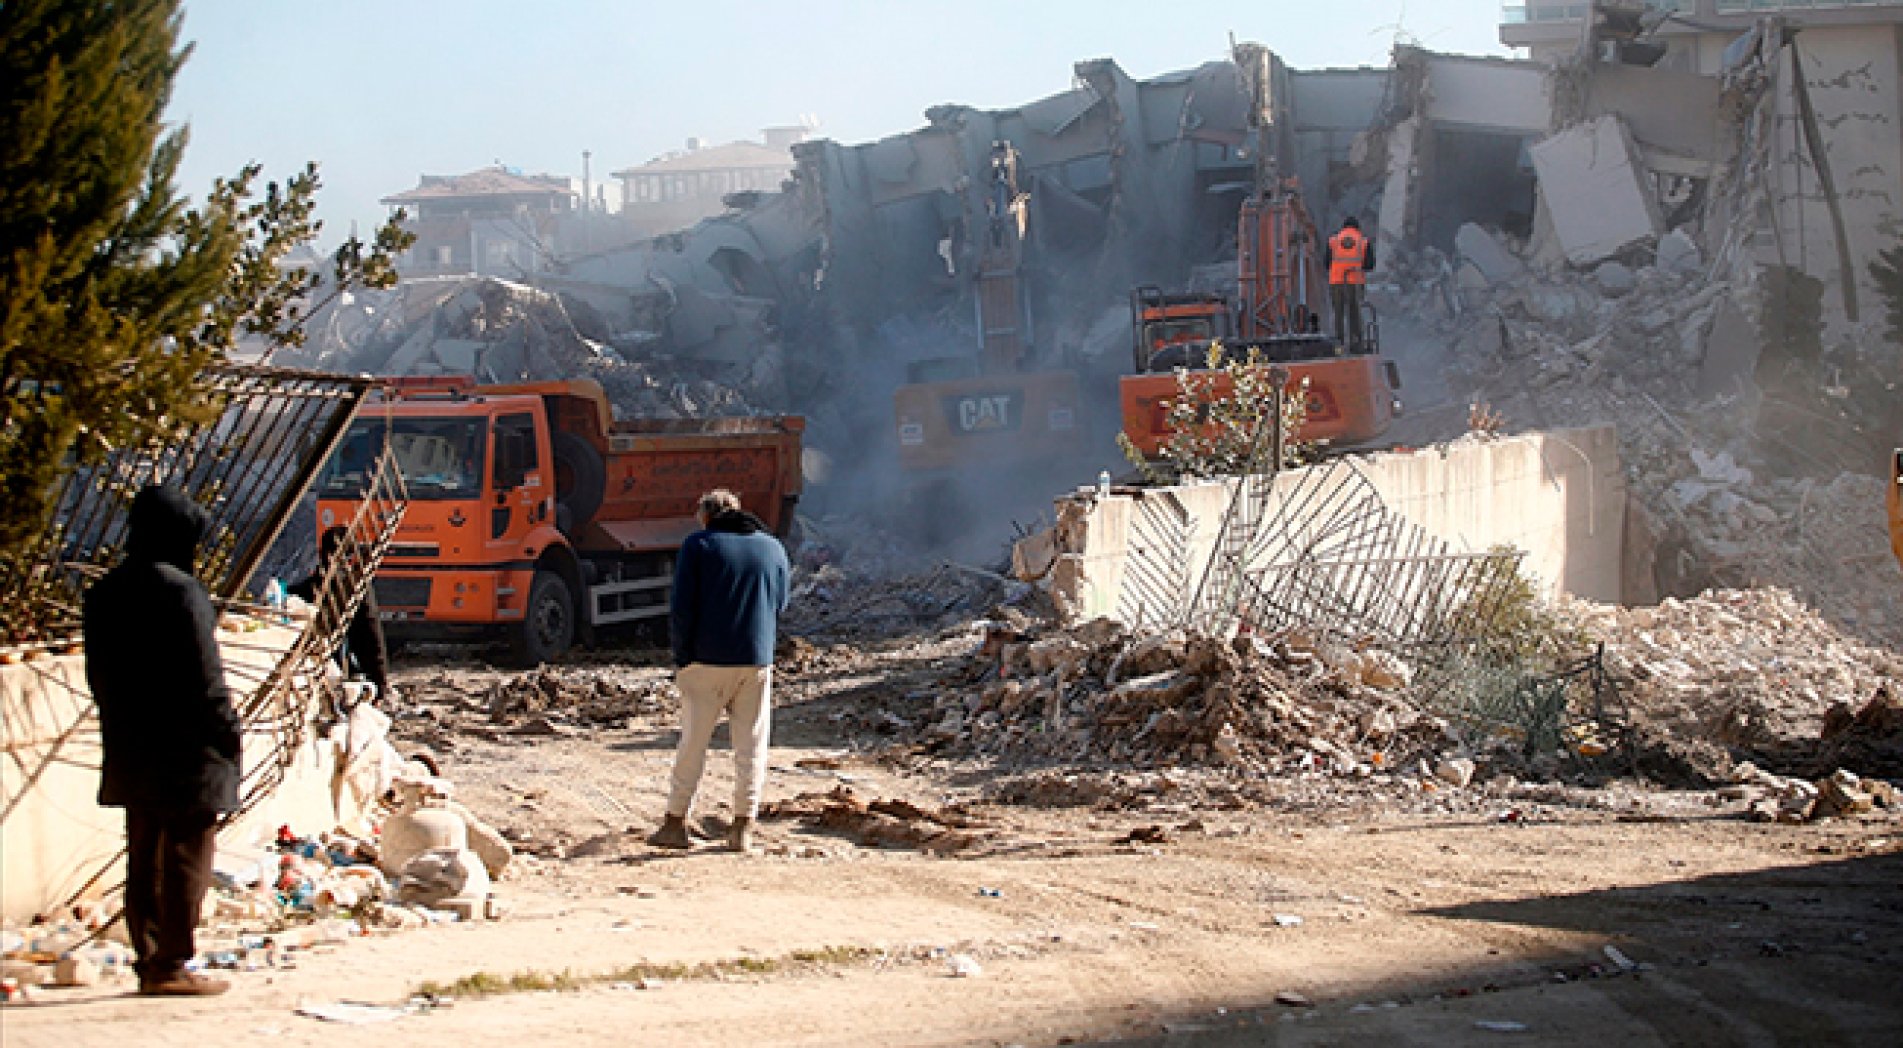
x: 247, y: 467
x: 1318, y: 549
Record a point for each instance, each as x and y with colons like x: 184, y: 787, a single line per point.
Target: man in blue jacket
x: 730, y: 586
x: 170, y: 736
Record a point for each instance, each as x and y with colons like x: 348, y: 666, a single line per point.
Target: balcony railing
x: 1532, y: 13
x: 1736, y: 7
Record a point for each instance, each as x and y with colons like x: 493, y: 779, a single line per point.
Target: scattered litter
x: 1616, y: 956
x: 1292, y: 999
x: 352, y: 1013
x: 962, y: 966
x: 1499, y: 1026
x: 1288, y: 920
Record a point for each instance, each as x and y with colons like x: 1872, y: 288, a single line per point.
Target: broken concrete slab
x: 1615, y: 279
x: 1678, y: 254
x: 1487, y: 254
x: 1595, y: 190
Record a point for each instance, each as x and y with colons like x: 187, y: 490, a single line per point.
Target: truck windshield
x: 441, y: 458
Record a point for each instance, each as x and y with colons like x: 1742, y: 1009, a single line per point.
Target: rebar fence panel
x: 247, y: 468
x: 1156, y: 578
x: 285, y: 696
x: 1574, y: 712
x: 1318, y: 550
x: 297, y: 688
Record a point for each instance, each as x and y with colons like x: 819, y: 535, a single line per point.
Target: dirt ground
x: 1171, y: 912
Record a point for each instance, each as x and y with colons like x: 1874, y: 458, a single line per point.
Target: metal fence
x: 1318, y: 549
x: 284, y: 703
x: 287, y: 704
x: 247, y: 468
x: 1157, y: 576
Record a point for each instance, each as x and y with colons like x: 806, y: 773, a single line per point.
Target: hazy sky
x: 380, y: 92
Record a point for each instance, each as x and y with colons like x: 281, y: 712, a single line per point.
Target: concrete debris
x: 1455, y: 771
x: 1678, y: 254
x: 830, y: 601
x: 884, y: 823
x: 962, y: 966
x: 505, y: 331
x: 575, y: 697
x: 75, y: 970
x: 1778, y: 798
x: 1174, y: 699
x: 1490, y: 259
x: 1730, y: 488
x: 1597, y: 190
x: 1615, y: 279
x: 1751, y: 675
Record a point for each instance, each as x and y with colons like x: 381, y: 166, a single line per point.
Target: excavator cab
x: 1162, y: 321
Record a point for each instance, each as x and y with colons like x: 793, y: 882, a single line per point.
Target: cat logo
x: 976, y: 414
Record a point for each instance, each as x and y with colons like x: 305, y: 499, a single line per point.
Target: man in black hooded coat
x: 171, y: 737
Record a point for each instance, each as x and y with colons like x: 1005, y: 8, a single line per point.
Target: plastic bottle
x: 1103, y: 484
x: 276, y: 598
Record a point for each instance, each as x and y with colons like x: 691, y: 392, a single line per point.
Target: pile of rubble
x: 544, y: 701
x: 428, y: 860
x: 830, y: 601
x: 1100, y: 693
x: 1778, y: 798
x: 1736, y: 488
x: 1749, y: 674
x: 504, y: 331
x: 577, y: 695
x: 883, y: 823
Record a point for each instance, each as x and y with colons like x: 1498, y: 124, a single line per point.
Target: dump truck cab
x: 535, y: 514
x: 483, y: 510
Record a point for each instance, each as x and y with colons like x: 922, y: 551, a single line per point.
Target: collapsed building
x: 1582, y: 237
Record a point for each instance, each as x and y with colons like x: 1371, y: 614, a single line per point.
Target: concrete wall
x: 54, y: 838
x: 1496, y: 94
x: 1669, y: 111
x: 1332, y: 107
x: 1853, y: 73
x: 1853, y: 77
x: 1558, y: 496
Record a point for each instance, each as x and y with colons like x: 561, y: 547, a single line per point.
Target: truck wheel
x: 581, y: 478
x: 548, y: 622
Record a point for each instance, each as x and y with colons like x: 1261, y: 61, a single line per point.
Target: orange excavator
x: 960, y: 414
x: 1352, y: 391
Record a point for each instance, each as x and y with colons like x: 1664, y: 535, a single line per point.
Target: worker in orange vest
x: 1349, y: 256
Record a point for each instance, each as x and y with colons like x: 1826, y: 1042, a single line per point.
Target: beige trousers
x: 745, y: 694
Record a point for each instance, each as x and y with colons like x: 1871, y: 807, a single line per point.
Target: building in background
x: 671, y: 193
x: 494, y: 222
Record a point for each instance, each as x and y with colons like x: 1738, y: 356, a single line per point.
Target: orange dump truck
x: 534, y: 515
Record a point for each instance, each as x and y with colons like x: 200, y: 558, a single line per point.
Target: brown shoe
x: 672, y: 834
x: 184, y: 984
x: 740, y: 835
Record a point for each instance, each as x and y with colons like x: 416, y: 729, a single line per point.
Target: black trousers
x: 168, y: 870
x: 1347, y: 301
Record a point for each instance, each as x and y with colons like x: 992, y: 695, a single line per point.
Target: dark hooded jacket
x: 730, y: 585
x: 171, y: 736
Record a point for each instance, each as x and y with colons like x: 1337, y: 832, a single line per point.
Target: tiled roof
x: 715, y: 158
x: 490, y: 181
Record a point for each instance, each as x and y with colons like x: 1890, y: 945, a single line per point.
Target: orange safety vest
x: 1346, y: 249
